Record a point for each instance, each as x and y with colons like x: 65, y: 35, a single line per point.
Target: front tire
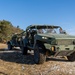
x: 39, y: 58
x: 71, y: 57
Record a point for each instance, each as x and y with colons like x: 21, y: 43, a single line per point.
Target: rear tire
x: 24, y: 50
x: 9, y: 46
x: 39, y: 58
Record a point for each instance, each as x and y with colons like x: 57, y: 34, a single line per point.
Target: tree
x: 17, y: 26
x: 7, y: 29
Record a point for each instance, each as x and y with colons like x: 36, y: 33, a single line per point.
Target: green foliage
x: 7, y: 30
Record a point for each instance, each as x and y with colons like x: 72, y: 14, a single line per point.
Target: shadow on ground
x: 17, y: 57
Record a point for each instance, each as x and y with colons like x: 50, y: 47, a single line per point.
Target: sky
x: 23, y: 13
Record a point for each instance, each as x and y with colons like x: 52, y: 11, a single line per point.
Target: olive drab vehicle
x: 48, y: 40
x: 15, y: 40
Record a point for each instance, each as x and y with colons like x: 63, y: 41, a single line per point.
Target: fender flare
x: 9, y: 42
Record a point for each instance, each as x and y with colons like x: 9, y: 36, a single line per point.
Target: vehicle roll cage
x: 42, y: 26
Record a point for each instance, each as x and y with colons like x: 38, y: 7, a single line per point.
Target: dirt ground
x: 14, y: 63
x: 3, y: 46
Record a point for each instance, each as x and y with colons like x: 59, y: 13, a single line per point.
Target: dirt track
x: 14, y: 63
x: 2, y: 46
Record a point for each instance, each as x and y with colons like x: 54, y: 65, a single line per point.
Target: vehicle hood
x: 58, y: 36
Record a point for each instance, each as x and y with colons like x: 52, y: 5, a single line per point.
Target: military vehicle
x: 48, y: 40
x: 15, y: 40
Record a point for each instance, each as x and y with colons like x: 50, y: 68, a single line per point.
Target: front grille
x: 65, y: 42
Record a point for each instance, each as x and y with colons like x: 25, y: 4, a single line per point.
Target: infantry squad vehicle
x: 15, y: 40
x: 48, y: 40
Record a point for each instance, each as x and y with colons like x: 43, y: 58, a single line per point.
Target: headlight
x: 44, y: 38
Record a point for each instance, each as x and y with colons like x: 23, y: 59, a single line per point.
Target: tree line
x: 7, y: 30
